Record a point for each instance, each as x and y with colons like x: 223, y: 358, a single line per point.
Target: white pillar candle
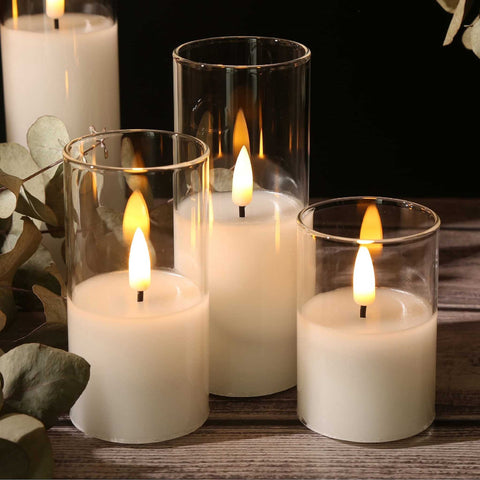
x: 71, y: 73
x: 366, y: 379
x: 252, y: 288
x: 149, y: 360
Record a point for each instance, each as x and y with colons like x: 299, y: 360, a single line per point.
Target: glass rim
x: 427, y: 231
x: 137, y: 170
x: 228, y: 38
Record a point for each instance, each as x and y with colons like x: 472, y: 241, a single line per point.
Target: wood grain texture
x: 276, y: 450
x: 262, y: 438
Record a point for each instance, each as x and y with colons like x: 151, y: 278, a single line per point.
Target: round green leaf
x: 16, y: 160
x: 42, y: 381
x: 46, y: 139
x: 8, y: 197
x: 30, y: 435
x: 14, y: 461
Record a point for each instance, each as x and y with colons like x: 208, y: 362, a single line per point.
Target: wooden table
x: 262, y: 438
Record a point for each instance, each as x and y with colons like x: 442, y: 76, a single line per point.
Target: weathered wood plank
x: 262, y: 437
x: 459, y: 213
x: 459, y: 272
x: 272, y: 451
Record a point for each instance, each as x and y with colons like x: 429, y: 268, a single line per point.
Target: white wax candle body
x: 71, y: 73
x: 366, y: 379
x: 149, y: 360
x: 252, y: 289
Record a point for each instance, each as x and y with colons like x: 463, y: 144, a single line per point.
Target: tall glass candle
x: 60, y: 58
x: 248, y: 98
x: 367, y: 318
x: 137, y: 316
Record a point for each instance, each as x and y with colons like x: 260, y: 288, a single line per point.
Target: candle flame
x: 15, y: 14
x: 240, y: 134
x: 135, y: 216
x: 260, y: 147
x: 55, y: 8
x: 242, y: 183
x: 371, y: 229
x: 139, y: 265
x: 363, y: 277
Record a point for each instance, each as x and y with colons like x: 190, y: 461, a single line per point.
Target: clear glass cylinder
x: 367, y: 318
x: 60, y: 58
x: 250, y: 94
x: 137, y: 290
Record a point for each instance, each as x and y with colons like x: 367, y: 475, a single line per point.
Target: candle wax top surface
x: 264, y: 205
x: 110, y: 295
x: 392, y: 310
x: 79, y: 22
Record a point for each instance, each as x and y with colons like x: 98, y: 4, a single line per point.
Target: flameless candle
x: 248, y: 99
x: 366, y: 353
x: 252, y: 266
x: 143, y: 329
x: 137, y: 351
x: 67, y: 69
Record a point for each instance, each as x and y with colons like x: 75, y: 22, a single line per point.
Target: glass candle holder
x: 248, y: 98
x: 367, y: 318
x: 60, y: 58
x: 136, y: 313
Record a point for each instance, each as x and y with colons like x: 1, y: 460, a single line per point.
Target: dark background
x: 393, y: 112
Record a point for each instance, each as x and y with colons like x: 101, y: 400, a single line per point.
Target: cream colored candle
x: 71, y: 73
x: 149, y: 360
x: 252, y: 288
x: 366, y: 379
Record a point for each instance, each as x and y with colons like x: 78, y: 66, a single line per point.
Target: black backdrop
x: 394, y: 112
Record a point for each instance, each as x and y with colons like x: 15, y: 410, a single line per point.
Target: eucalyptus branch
x: 16, y: 289
x: 38, y: 172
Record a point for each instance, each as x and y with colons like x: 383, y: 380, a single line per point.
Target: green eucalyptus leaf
x: 48, y: 333
x: 14, y: 462
x: 448, y: 5
x: 25, y: 247
x: 54, y: 199
x: 55, y: 272
x: 54, y: 305
x: 16, y: 160
x: 8, y: 309
x: 8, y: 197
x: 31, y: 206
x: 46, y: 139
x: 457, y: 21
x: 42, y: 381
x: 221, y: 179
x: 5, y: 226
x: 475, y: 37
x: 113, y: 221
x: 30, y: 435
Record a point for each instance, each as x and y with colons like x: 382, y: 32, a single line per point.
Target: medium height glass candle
x: 60, y: 57
x: 367, y: 318
x: 248, y: 98
x: 135, y: 313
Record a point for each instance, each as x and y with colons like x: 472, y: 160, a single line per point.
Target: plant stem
x: 38, y: 172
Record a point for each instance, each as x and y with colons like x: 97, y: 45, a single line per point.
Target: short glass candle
x: 134, y: 313
x: 367, y: 318
x: 248, y: 98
